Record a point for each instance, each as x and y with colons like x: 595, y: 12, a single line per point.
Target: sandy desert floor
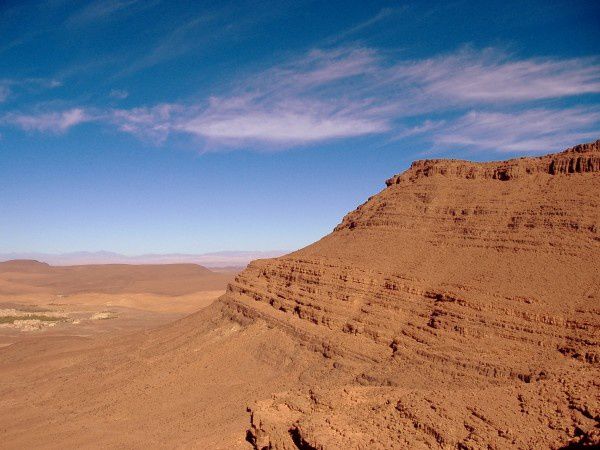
x: 90, y: 314
x: 39, y: 301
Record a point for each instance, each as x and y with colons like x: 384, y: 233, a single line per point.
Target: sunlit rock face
x: 459, y: 307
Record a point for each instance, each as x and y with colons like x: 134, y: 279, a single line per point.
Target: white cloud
x: 152, y: 124
x: 102, y: 9
x: 119, y: 94
x: 177, y: 43
x: 428, y: 126
x: 382, y: 15
x: 319, y: 68
x: 4, y: 92
x: 527, y: 131
x: 300, y: 102
x: 12, y: 87
x: 284, y: 126
x: 55, y: 122
x: 490, y: 76
x: 347, y: 92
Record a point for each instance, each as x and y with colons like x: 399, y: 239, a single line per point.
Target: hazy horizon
x: 210, y: 260
x: 171, y: 127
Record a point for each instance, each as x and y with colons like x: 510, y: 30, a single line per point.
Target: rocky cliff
x: 459, y: 307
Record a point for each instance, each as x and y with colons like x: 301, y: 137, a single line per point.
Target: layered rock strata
x: 457, y: 308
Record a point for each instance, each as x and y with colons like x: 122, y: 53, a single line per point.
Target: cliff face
x: 579, y: 159
x: 459, y: 307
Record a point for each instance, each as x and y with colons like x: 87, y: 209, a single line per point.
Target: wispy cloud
x: 491, y: 76
x: 283, y: 123
x: 103, y: 9
x: 152, y: 124
x: 382, y: 15
x: 319, y: 68
x: 176, y: 43
x: 299, y: 102
x: 427, y: 127
x: 346, y: 92
x: 525, y: 131
x: 11, y: 87
x: 4, y: 92
x: 54, y: 122
x: 119, y: 94
x: 206, y: 31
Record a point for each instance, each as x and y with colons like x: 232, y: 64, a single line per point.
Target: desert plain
x: 40, y: 301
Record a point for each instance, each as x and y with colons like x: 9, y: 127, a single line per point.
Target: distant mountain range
x: 214, y: 260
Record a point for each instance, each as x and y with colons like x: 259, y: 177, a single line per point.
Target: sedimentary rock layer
x: 459, y: 307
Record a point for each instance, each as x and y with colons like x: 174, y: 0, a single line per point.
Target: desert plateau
x: 403, y: 328
x: 91, y: 299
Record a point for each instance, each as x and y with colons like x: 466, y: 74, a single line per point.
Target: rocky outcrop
x: 457, y: 308
x: 579, y: 159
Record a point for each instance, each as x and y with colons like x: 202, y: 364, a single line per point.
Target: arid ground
x: 457, y: 308
x: 38, y: 301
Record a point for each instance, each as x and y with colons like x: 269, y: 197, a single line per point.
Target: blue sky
x: 167, y: 126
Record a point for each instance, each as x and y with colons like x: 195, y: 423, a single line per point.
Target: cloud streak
x: 119, y: 94
x: 349, y: 92
x: 489, y: 100
x: 53, y: 122
x: 527, y: 131
x: 281, y: 125
x: 175, y: 44
x: 4, y: 92
x: 382, y: 15
x: 153, y: 124
x: 300, y: 102
x: 490, y: 76
x: 103, y: 9
x: 12, y: 87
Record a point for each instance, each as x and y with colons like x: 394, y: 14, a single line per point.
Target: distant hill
x: 212, y: 260
x: 30, y: 276
x: 23, y: 265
